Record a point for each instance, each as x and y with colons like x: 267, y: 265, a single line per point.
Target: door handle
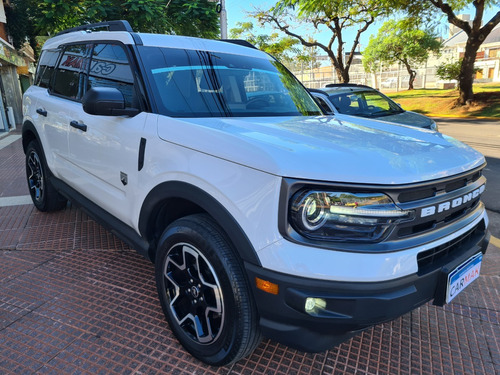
x: 79, y: 126
x: 42, y: 112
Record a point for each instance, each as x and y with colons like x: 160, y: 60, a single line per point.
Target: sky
x: 237, y: 12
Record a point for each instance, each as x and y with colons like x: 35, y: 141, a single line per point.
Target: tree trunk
x: 413, y: 75
x: 341, y: 71
x: 466, y: 77
x: 343, y: 75
x: 411, y: 72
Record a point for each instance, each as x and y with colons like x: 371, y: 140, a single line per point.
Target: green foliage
x: 399, y: 41
x: 283, y: 48
x: 18, y: 25
x: 426, y: 9
x: 346, y: 9
x: 193, y: 18
x: 450, y: 70
x: 476, y: 31
x: 332, y: 17
x: 47, y: 17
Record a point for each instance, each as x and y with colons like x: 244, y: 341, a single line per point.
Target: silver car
x: 363, y: 101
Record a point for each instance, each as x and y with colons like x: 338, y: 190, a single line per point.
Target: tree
x: 451, y: 70
x: 476, y: 33
x: 332, y: 16
x: 19, y: 23
x: 400, y: 41
x: 281, y: 48
x: 45, y: 17
x: 284, y: 49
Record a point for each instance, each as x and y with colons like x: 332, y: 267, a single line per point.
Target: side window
x: 45, y: 68
x: 324, y: 106
x: 347, y: 103
x: 70, y: 72
x: 110, y: 68
x: 375, y: 101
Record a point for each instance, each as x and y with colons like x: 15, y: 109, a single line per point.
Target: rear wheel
x: 204, y: 293
x: 43, y: 194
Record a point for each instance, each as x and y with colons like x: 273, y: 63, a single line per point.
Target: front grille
x: 411, y: 229
x: 439, y: 187
x: 453, y: 247
x: 438, y: 204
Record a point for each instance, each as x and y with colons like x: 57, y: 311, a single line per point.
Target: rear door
x: 55, y: 99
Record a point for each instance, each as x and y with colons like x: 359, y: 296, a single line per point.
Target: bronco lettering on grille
x: 445, y: 206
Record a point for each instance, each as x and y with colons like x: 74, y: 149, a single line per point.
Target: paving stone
x: 74, y: 299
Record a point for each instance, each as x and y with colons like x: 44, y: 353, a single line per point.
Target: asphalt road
x: 484, y: 136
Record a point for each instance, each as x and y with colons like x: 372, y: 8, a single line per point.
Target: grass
x: 442, y: 103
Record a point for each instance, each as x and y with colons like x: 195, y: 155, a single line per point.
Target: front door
x: 104, y: 150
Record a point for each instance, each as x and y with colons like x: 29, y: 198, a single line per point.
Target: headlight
x: 344, y: 216
x: 434, y: 126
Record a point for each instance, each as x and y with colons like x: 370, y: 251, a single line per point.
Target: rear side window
x: 46, y: 66
x: 323, y: 104
x: 70, y: 72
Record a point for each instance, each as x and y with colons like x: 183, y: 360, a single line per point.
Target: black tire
x: 44, y: 196
x: 204, y: 292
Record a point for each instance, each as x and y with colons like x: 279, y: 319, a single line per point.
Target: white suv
x: 263, y: 216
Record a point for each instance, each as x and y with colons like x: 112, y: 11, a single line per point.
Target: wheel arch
x: 172, y: 200
x: 29, y: 133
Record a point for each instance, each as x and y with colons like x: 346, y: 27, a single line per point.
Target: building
x: 16, y: 74
x: 487, y: 57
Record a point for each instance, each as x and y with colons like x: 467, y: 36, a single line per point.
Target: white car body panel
x: 240, y: 162
x: 325, y: 149
x: 323, y: 264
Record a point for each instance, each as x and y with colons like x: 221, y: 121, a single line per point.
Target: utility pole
x: 223, y: 20
x: 220, y: 8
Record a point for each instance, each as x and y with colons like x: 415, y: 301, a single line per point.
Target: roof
x: 125, y: 35
x: 461, y: 38
x: 341, y: 88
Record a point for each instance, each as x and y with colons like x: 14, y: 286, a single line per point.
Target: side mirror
x: 106, y: 101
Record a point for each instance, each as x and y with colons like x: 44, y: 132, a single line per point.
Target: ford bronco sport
x: 263, y: 216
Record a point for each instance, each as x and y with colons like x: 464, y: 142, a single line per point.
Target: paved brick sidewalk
x: 75, y: 299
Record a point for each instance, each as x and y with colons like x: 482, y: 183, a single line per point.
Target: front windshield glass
x: 189, y: 83
x: 367, y: 103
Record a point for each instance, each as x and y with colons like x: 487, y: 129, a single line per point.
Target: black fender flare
x: 27, y: 128
x: 187, y: 192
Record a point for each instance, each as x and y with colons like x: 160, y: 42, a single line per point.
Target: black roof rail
x: 346, y: 85
x: 240, y: 42
x: 120, y: 25
x: 319, y: 91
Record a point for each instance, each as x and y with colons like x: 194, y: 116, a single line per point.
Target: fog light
x: 314, y: 305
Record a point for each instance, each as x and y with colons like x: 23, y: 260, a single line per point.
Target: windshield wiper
x: 384, y: 113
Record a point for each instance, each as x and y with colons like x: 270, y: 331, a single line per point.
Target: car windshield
x: 369, y: 103
x: 189, y: 83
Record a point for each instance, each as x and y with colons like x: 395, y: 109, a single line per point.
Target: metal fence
x: 391, y: 79
x: 396, y: 77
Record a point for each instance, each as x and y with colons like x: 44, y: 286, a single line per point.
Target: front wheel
x: 204, y: 293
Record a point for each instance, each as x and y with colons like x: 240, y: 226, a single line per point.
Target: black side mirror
x: 106, y: 101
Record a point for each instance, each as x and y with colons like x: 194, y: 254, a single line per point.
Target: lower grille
x: 453, y: 247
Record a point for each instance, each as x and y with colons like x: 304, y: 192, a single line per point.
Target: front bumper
x: 353, y: 306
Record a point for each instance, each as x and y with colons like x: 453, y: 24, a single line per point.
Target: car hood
x: 325, y: 148
x: 409, y: 118
x: 403, y: 118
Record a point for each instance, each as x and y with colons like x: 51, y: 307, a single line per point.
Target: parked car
x: 363, y: 101
x: 262, y: 215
